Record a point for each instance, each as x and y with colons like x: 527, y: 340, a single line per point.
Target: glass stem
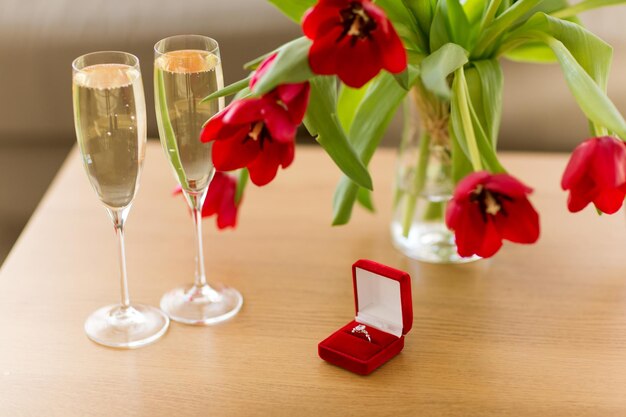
x: 200, y: 274
x: 119, y: 217
x: 196, y: 201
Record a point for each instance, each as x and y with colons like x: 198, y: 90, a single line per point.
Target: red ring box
x: 382, y: 296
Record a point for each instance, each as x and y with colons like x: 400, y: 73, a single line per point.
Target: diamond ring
x: 361, y: 329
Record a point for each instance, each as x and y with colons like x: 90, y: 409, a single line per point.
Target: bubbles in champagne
x: 110, y: 123
x: 183, y: 79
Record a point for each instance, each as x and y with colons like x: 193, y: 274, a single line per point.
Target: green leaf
x: 416, y: 8
x: 585, y: 60
x: 534, y: 52
x: 450, y: 24
x: 583, y: 6
x: 370, y: 122
x: 348, y: 103
x: 242, y: 181
x: 439, y: 35
x: 518, y: 46
x: 168, y: 137
x: 228, y: 90
x: 591, y: 52
x: 293, y: 9
x: 405, y: 24
x: 321, y: 120
x: 513, y: 15
x: 290, y: 66
x: 461, y: 121
x: 461, y: 165
x: 423, y: 10
x: 491, y: 11
x: 474, y: 10
x: 486, y: 94
x: 244, y: 93
x: 364, y: 198
x: 253, y: 64
x: 548, y: 6
x: 467, y: 129
x: 403, y: 79
x: 458, y: 24
x: 414, y: 57
x: 439, y: 65
x: 589, y: 96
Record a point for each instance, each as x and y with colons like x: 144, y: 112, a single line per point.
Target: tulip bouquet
x: 359, y: 60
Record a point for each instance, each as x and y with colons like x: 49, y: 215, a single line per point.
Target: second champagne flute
x: 187, y: 68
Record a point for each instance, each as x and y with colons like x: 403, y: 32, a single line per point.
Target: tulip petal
x: 578, y: 163
x: 212, y: 129
x: 246, y: 110
x: 227, y: 213
x: 394, y: 54
x: 609, y: 163
x: 394, y: 57
x: 468, y: 184
x: 377, y: 14
x: 322, y: 18
x: 225, y: 132
x: 521, y: 222
x: 323, y: 53
x: 279, y: 124
x: 262, y: 69
x: 264, y: 168
x: 289, y: 92
x: 296, y: 104
x: 468, y: 225
x: 234, y: 153
x: 507, y: 185
x: 358, y: 63
x: 610, y: 200
x: 491, y: 243
x: 287, y: 154
x: 214, y: 194
x: 581, y: 194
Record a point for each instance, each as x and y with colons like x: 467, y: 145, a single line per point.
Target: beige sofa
x: 39, y: 39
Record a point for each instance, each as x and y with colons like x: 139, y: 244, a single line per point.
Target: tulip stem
x: 432, y: 165
x: 417, y: 184
x: 460, y: 87
x: 597, y: 130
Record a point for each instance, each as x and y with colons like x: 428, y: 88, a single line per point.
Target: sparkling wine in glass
x: 110, y: 121
x: 187, y: 68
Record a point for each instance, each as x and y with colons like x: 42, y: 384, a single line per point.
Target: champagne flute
x: 110, y: 121
x: 187, y: 68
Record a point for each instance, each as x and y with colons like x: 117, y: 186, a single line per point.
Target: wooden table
x: 537, y: 331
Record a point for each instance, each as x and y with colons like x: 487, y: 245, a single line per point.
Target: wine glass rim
x: 214, y: 44
x: 135, y: 63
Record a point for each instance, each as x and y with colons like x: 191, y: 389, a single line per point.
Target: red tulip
x: 220, y: 200
x: 256, y: 133
x: 353, y: 39
x: 596, y: 173
x: 486, y: 209
x: 295, y: 97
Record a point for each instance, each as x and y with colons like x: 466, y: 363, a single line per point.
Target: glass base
x: 202, y: 305
x: 428, y: 242
x: 131, y: 327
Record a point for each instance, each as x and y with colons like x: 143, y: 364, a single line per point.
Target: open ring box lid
x: 384, y: 305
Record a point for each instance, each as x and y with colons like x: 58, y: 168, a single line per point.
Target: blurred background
x: 40, y: 38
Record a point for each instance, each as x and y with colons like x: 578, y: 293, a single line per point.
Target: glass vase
x: 424, y: 182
